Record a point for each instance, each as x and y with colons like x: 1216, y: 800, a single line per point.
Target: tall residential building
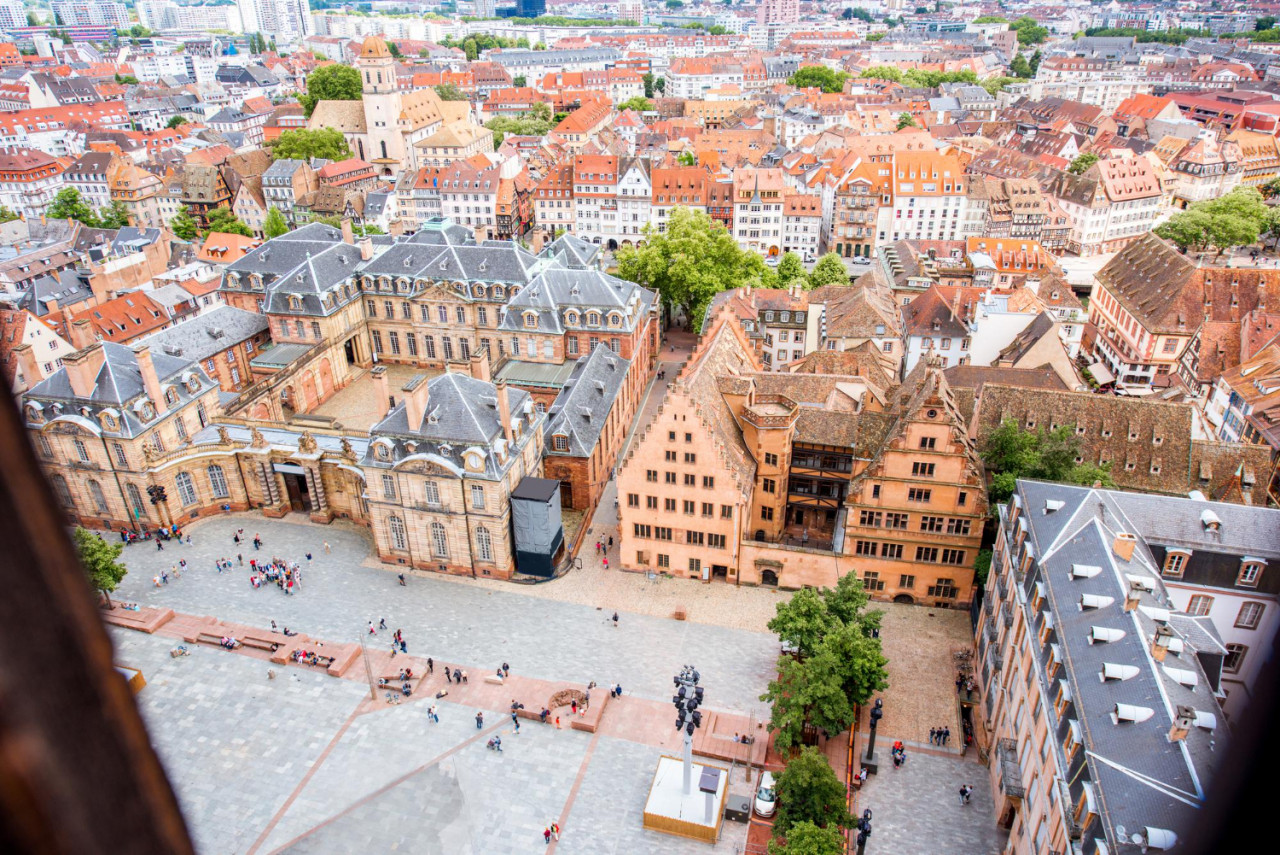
x: 1098, y: 695
x: 74, y: 13
x: 282, y: 19
x: 778, y: 12
x: 483, y: 9
x: 631, y: 10
x: 12, y: 14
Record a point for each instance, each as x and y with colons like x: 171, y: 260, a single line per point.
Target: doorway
x: 296, y: 488
x: 350, y: 349
x: 719, y: 572
x: 769, y: 577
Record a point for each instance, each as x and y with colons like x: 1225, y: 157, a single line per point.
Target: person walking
x: 431, y: 665
x: 615, y: 620
x: 557, y: 722
x: 515, y: 719
x: 965, y: 792
x: 933, y: 734
x: 464, y: 677
x: 382, y: 623
x: 457, y: 676
x: 506, y: 669
x: 448, y: 677
x: 327, y: 550
x: 479, y: 720
x: 946, y: 735
x: 546, y: 835
x: 555, y: 831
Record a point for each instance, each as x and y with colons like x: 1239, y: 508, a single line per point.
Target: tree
x: 803, y: 621
x: 1187, y: 229
x: 790, y: 268
x: 113, y: 216
x: 829, y: 270
x: 847, y: 14
x: 1029, y: 32
x: 331, y: 83
x: 809, y: 791
x: 675, y: 4
x: 526, y: 124
x: 691, y: 262
x: 805, y: 838
x: 100, y: 561
x: 1012, y: 453
x: 648, y: 84
x: 274, y: 225
x: 1266, y: 22
x: 1035, y: 62
x: 819, y: 77
x: 906, y: 120
x: 303, y: 144
x: 660, y: 84
x: 6, y: 215
x: 223, y: 221
x: 519, y: 81
x: 687, y: 158
x: 1236, y: 219
x: 175, y: 122
x: 640, y: 105
x: 394, y: 50
x: 69, y: 205
x: 183, y: 226
x: 996, y: 84
x: 922, y: 10
x: 1020, y: 67
x: 1082, y: 162
x: 450, y: 92
x: 126, y: 80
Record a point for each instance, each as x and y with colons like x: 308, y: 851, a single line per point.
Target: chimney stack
x: 382, y: 390
x: 1124, y: 545
x: 504, y: 412
x: 150, y: 381
x: 416, y: 393
x: 348, y: 235
x: 1184, y: 719
x: 27, y: 363
x: 1131, y: 599
x: 366, y: 248
x: 81, y: 333
x: 1160, y: 642
x: 82, y: 370
x: 480, y: 366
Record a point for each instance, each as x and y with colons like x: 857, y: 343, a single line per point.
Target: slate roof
x: 571, y: 251
x: 207, y: 334
x: 71, y: 289
x: 580, y: 410
x: 554, y: 290
x: 307, y: 263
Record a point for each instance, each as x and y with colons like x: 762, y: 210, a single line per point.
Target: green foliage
x: 660, y: 84
x: 7, y: 216
x: 648, y: 84
x: 809, y: 791
x: 1236, y: 219
x: 1265, y: 22
x: 640, y: 105
x: 126, y: 80
x: 99, y: 560
x: 906, y: 120
x: 875, y: 37
x: 996, y: 84
x: 450, y: 92
x: 1271, y: 188
x: 113, y: 216
x: 1029, y: 32
x: 519, y: 81
x: 69, y: 205
x: 183, y: 226
x: 304, y: 144
x: 675, y: 4
x: 1010, y: 453
x: 922, y: 10
x: 691, y: 262
x: 1035, y: 62
x: 862, y: 15
x: 274, y: 225
x: 819, y: 77
x: 790, y: 268
x: 982, y: 565
x: 687, y: 158
x: 829, y: 270
x: 1082, y: 162
x: 805, y: 838
x: 1020, y: 67
x: 394, y: 50
x: 917, y: 77
x: 176, y: 121
x: 223, y: 221
x: 331, y: 83
x: 803, y: 621
x: 535, y: 124
x: 138, y: 31
x: 1164, y: 37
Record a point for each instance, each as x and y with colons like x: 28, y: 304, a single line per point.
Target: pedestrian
x: 402, y: 584
x: 506, y: 669
x: 457, y: 676
x: 933, y: 734
x: 546, y: 836
x: 464, y: 677
x: 257, y: 541
x: 615, y: 620
x: 159, y: 545
x: 448, y: 677
x: 965, y: 792
x: 432, y: 714
x: 404, y: 648
x: 326, y: 547
x: 372, y: 631
x: 573, y: 706
x: 946, y: 734
x: 606, y: 564
x: 431, y: 665
x: 555, y: 831
x: 382, y: 623
x: 543, y: 715
x: 516, y: 721
x: 557, y: 722
x: 611, y: 541
x: 236, y: 537
x: 479, y: 720
x: 308, y: 557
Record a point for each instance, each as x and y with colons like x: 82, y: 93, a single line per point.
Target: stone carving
x: 257, y: 440
x: 307, y: 443
x: 150, y: 452
x: 347, y: 451
x: 563, y: 697
x: 224, y: 436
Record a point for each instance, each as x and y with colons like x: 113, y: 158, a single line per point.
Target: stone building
x: 587, y: 426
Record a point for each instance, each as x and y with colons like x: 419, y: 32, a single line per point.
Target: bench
x: 212, y: 638
x: 260, y: 643
x: 321, y: 661
x: 493, y: 679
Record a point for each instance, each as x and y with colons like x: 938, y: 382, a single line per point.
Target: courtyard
x: 359, y: 407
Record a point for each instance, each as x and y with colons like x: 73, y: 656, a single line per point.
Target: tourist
x: 479, y: 720
x: 555, y: 831
x: 543, y: 715
x: 933, y: 734
x: 946, y: 734
x: 402, y: 584
x: 615, y: 620
x: 573, y: 706
x: 433, y: 713
x: 326, y: 547
x: 546, y: 835
x: 557, y: 722
x: 382, y: 623
x: 464, y: 676
x: 506, y: 669
x: 965, y: 792
x: 431, y: 665
x: 372, y: 631
x: 515, y: 719
x: 448, y: 678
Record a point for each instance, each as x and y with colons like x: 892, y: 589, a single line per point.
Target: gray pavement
x: 452, y: 621
x: 916, y: 808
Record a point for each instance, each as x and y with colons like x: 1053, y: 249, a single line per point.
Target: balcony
x: 1006, y: 611
x: 1010, y: 770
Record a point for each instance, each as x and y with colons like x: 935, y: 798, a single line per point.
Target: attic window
x: 560, y: 442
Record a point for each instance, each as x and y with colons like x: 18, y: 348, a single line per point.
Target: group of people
x: 939, y: 735
x: 287, y: 576
x: 899, y: 753
x: 161, y: 535
x: 551, y: 831
x: 310, y: 657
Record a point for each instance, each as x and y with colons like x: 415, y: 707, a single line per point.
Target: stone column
x: 270, y: 490
x: 320, y: 511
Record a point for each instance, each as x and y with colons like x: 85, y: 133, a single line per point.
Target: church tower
x: 384, y: 141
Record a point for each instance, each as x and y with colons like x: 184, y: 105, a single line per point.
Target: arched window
x: 484, y: 544
x: 135, y: 499
x: 64, y: 492
x: 218, y: 482
x: 439, y: 541
x: 399, y: 539
x: 99, y: 500
x: 81, y: 451
x: 186, y: 488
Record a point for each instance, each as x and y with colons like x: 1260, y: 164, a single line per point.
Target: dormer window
x: 1175, y: 561
x: 171, y: 395
x: 615, y: 319
x: 571, y: 318
x: 560, y: 442
x: 1250, y: 572
x: 295, y: 304
x: 593, y: 319
x: 530, y: 321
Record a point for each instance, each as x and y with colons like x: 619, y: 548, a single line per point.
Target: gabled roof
x: 584, y: 403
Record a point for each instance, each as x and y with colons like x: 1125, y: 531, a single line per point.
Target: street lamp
x: 877, y: 712
x: 687, y: 699
x: 864, y: 830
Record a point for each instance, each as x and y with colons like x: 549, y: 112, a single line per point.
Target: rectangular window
x: 572, y: 345
x: 688, y: 437
x: 633, y: 500
x: 915, y: 494
x: 708, y: 482
x: 871, y: 581
x: 906, y: 581
x: 930, y: 523
x: 1235, y: 658
x: 693, y: 538
x: 953, y: 556
x: 1250, y: 615
x: 922, y: 470
x: 643, y: 530
x: 689, y: 457
x: 668, y: 504
x: 1174, y: 563
x: 769, y: 485
x: 690, y: 507
x: 891, y: 550
x: 395, y: 342
x: 770, y: 459
x: 726, y: 512
x: 669, y: 477
x: 708, y: 509
x: 869, y: 518
x: 664, y: 560
x: 866, y: 547
x: 651, y: 475
x: 651, y: 502
x: 477, y: 497
x: 927, y: 553
x: 945, y: 589
x: 690, y: 480
x: 766, y: 513
x: 412, y: 341
x: 1250, y: 571
x: 695, y: 566
x: 715, y: 541
x: 669, y: 456
x: 957, y: 526
x: 662, y: 533
x: 388, y: 487
x: 1200, y: 605
x: 430, y: 343
x: 892, y: 520
x: 377, y: 341
x: 928, y: 443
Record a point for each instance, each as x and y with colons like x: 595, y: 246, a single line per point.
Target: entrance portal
x: 296, y: 487
x: 769, y: 577
x: 350, y: 348
x: 719, y: 571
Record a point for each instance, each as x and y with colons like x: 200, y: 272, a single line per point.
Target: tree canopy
x: 805, y: 838
x: 829, y: 270
x: 331, y: 83
x: 691, y: 262
x: 809, y: 792
x: 6, y: 215
x: 534, y: 123
x: 183, y: 226
x: 1029, y: 32
x: 113, y: 216
x: 450, y: 92
x: 274, y: 225
x: 906, y: 120
x: 819, y: 77
x: 224, y: 221
x: 100, y: 561
x: 1082, y: 162
x: 1236, y: 219
x: 639, y: 104
x: 68, y: 204
x: 175, y: 122
x: 304, y: 144
x: 1010, y: 453
x: 791, y: 268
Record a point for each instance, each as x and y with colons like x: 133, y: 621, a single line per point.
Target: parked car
x: 860, y: 259
x: 766, y: 796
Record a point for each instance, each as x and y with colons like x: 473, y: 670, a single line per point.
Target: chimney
x: 1160, y: 642
x: 1184, y: 719
x: 348, y: 236
x: 480, y: 366
x: 82, y: 369
x: 81, y: 333
x: 1124, y: 545
x: 366, y: 248
x: 382, y: 390
x: 1131, y: 599
x: 51, y: 307
x: 27, y: 363
x: 416, y: 393
x: 504, y: 412
x: 150, y: 381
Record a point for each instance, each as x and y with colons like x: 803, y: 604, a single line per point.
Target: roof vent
x: 1084, y: 571
x: 1131, y: 714
x: 1182, y: 675
x: 1104, y: 634
x: 1210, y: 521
x: 1112, y: 671
x: 1051, y: 505
x: 1155, y: 838
x: 1095, y: 601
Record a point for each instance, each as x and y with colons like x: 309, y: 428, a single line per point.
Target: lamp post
x: 877, y: 712
x: 687, y: 699
x: 864, y: 830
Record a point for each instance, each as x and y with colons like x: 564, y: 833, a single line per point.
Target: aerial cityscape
x: 652, y: 426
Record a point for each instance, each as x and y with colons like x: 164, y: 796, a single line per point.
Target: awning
x: 1102, y: 373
